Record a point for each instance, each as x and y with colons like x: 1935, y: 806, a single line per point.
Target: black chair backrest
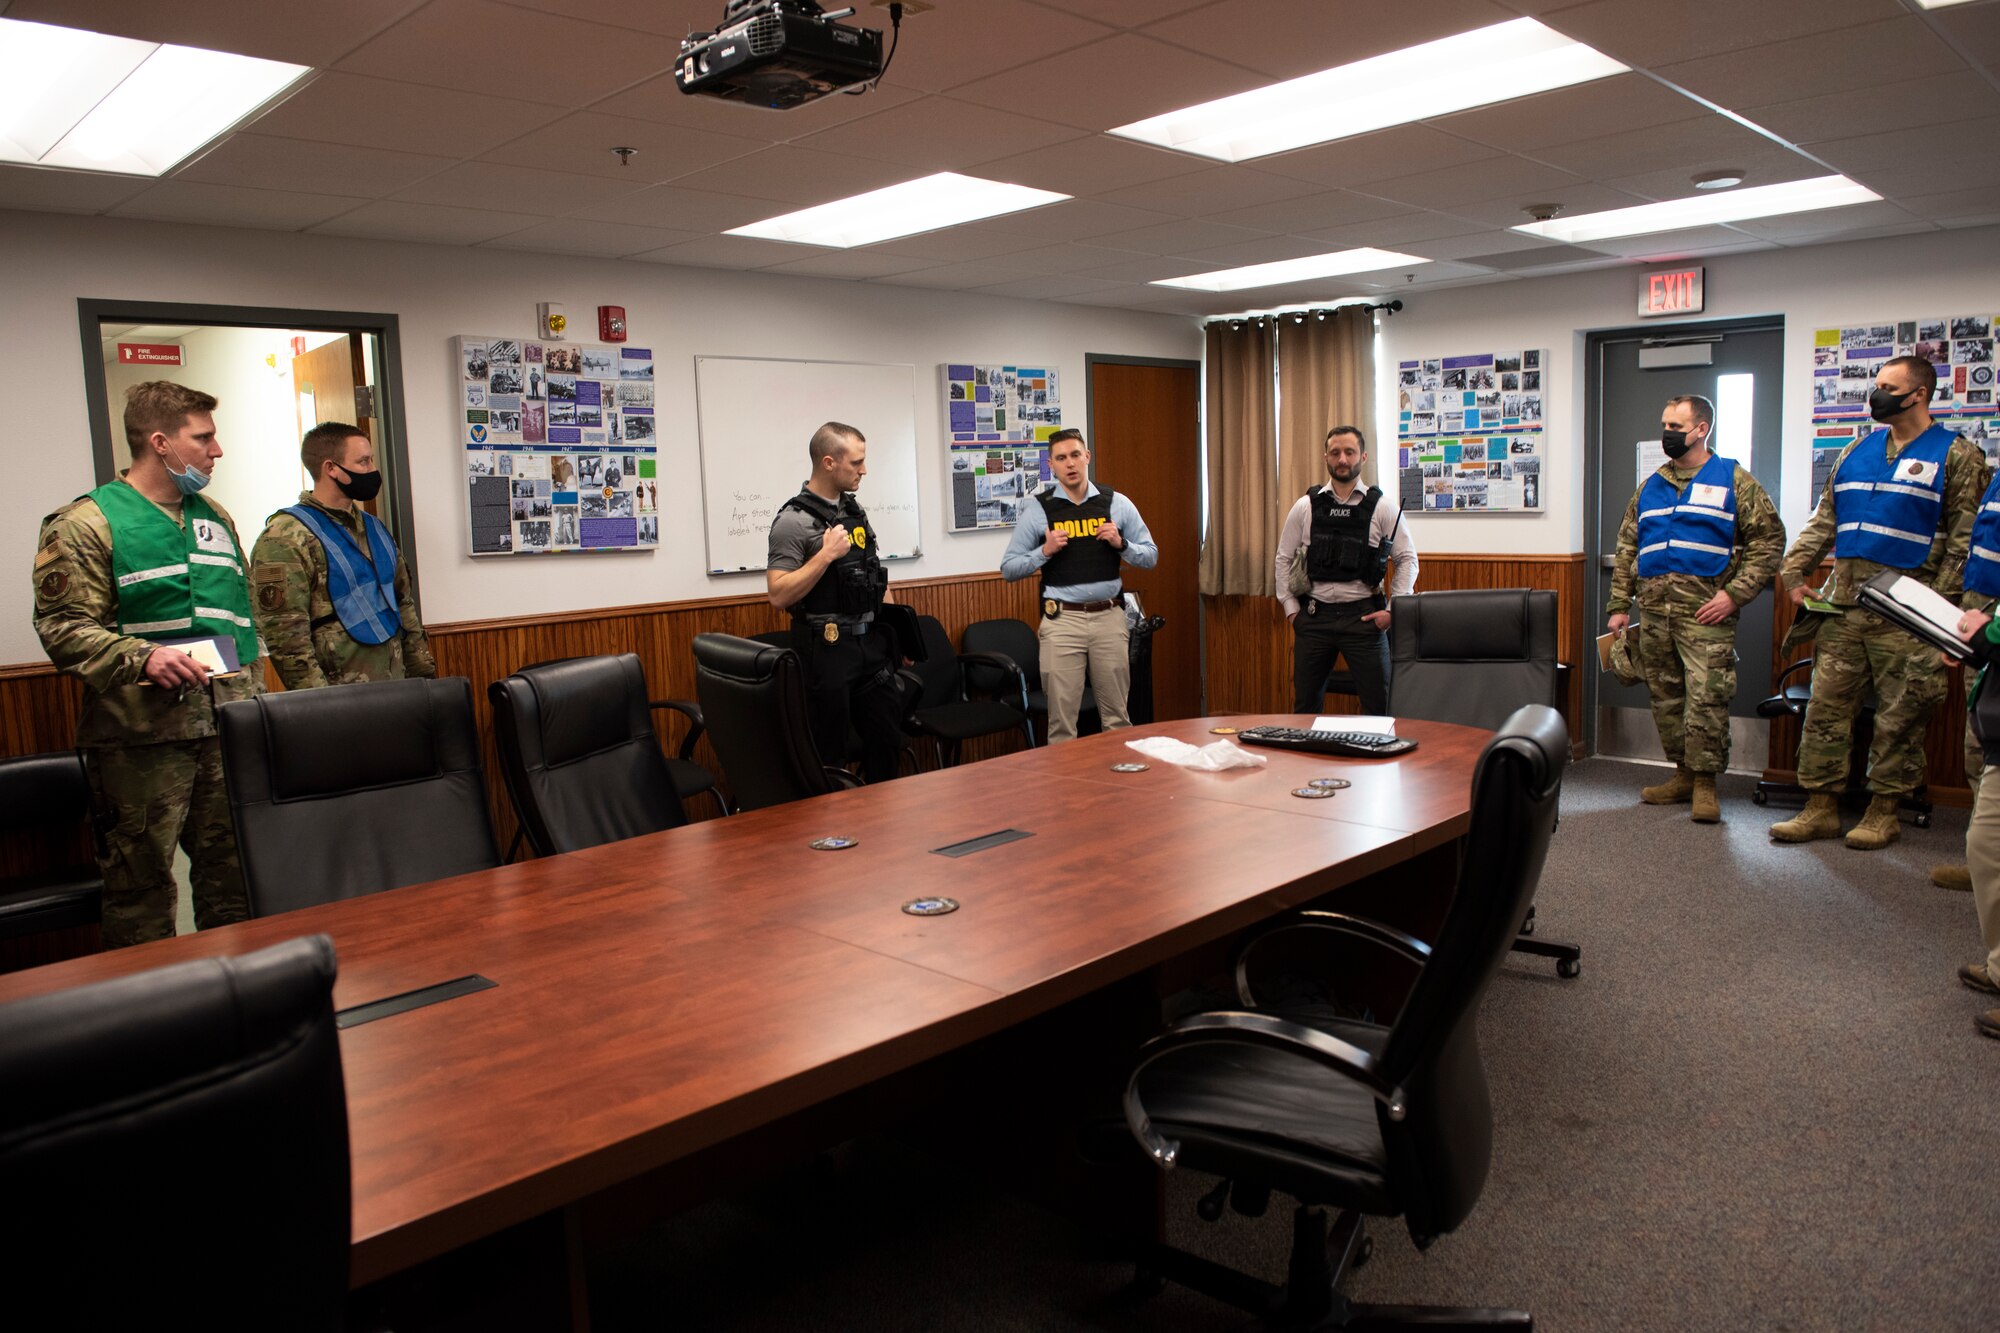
x: 753, y: 696
x: 1444, y: 1143
x: 1013, y: 639
x: 579, y: 755
x: 351, y: 789
x: 1472, y: 656
x: 173, y: 1148
x: 43, y: 791
x: 939, y: 669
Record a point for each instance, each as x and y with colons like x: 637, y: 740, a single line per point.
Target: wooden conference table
x: 659, y: 996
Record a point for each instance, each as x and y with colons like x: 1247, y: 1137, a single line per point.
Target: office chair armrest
x: 691, y: 710
x: 1778, y: 685
x: 1227, y: 1027
x: 1407, y: 947
x: 1000, y: 662
x: 841, y: 776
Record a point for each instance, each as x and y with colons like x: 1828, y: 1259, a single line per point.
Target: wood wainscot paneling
x: 1249, y: 645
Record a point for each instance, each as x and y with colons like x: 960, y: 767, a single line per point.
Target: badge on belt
x: 830, y: 632
x: 1312, y: 607
x: 1051, y: 608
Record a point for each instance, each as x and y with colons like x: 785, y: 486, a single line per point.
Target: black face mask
x: 361, y: 486
x: 1886, y: 403
x: 1674, y: 442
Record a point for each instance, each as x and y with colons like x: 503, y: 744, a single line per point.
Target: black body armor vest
x: 1085, y: 559
x: 1338, y: 550
x: 852, y: 586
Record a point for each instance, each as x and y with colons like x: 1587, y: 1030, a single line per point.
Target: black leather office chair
x: 1791, y: 692
x: 48, y: 794
x: 1473, y: 656
x: 1373, y: 1120
x: 945, y: 713
x: 352, y: 789
x: 754, y: 697
x: 1014, y: 641
x: 173, y: 1148
x: 579, y: 755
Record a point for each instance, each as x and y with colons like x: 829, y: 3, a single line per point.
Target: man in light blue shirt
x: 1076, y: 535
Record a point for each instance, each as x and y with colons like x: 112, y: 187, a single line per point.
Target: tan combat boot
x: 1952, y: 877
x: 1878, y: 828
x: 1707, y: 810
x: 1820, y: 819
x: 1673, y: 791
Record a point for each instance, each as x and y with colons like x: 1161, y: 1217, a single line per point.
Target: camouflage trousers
x: 1690, y: 671
x: 1857, y: 655
x: 148, y: 798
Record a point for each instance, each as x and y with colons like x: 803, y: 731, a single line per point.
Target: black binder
x: 901, y: 622
x: 1877, y: 595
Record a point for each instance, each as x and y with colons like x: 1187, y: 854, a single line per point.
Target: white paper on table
x: 1373, y: 726
x: 1211, y: 758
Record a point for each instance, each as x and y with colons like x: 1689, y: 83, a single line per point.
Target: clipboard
x: 1917, y: 610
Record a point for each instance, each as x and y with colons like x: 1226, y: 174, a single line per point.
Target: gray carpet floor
x: 1762, y: 1106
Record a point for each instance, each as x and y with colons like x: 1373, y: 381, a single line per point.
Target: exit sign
x: 149, y: 354
x: 1672, y: 291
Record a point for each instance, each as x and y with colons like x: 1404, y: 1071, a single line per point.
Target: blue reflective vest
x: 1887, y: 511
x: 1691, y: 531
x: 361, y: 588
x: 1982, y: 565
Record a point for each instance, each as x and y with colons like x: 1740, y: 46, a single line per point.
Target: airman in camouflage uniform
x: 1881, y: 485
x: 310, y: 645
x: 1687, y: 619
x: 1982, y: 583
x: 147, y: 729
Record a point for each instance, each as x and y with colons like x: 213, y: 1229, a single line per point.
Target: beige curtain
x: 1244, y: 513
x: 1326, y: 378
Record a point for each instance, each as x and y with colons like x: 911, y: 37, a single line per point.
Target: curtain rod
x: 1238, y: 321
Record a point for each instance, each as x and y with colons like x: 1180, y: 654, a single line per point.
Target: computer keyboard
x: 1352, y: 744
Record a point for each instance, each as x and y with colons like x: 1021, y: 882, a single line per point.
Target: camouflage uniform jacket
x: 308, y: 644
x: 1760, y: 545
x: 1943, y: 569
x: 76, y: 618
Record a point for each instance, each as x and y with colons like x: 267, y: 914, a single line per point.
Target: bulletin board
x: 561, y: 446
x: 997, y: 422
x: 1469, y: 432
x: 757, y: 417
x: 1845, y: 360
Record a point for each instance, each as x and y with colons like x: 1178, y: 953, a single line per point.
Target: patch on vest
x: 1917, y: 470
x: 214, y: 537
x: 1708, y: 497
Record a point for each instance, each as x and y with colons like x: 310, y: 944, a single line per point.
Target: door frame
x: 1594, y: 575
x: 92, y: 314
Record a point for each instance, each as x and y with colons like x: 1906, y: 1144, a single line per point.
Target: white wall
x: 437, y: 292
x: 1824, y: 286
x: 256, y: 421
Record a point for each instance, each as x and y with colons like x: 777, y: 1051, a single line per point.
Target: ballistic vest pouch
x: 1338, y: 550
x: 852, y: 589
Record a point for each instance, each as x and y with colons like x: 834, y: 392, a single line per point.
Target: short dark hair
x: 1704, y: 411
x: 833, y: 438
x: 160, y: 405
x: 1925, y: 372
x: 323, y: 442
x: 1064, y: 435
x: 1355, y: 431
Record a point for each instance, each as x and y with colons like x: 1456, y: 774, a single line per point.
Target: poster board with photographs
x: 997, y: 423
x: 1845, y: 360
x: 757, y: 417
x: 1469, y: 436
x: 561, y: 446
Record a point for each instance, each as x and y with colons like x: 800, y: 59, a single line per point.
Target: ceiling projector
x: 778, y: 54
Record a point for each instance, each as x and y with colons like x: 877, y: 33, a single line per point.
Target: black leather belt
x: 1104, y: 605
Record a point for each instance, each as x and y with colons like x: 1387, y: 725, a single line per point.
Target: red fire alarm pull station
x: 1673, y: 291
x: 611, y: 323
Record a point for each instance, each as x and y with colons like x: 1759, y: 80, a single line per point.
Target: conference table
x: 657, y: 997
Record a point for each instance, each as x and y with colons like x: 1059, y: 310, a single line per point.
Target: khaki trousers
x: 1982, y: 859
x: 1076, y: 643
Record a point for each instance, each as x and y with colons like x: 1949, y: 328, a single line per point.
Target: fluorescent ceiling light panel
x: 1292, y: 270
x: 1496, y: 64
x: 1940, y: 4
x: 81, y: 99
x: 926, y: 204
x: 1763, y: 201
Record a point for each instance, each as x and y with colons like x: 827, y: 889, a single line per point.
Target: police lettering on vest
x: 1982, y: 564
x: 1887, y: 510
x: 1338, y: 550
x: 851, y: 589
x: 361, y: 587
x: 1085, y: 559
x: 1691, y: 531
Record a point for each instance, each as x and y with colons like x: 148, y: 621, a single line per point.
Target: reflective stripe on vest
x: 1982, y: 568
x: 1888, y: 510
x: 176, y: 579
x: 1678, y: 535
x: 363, y: 591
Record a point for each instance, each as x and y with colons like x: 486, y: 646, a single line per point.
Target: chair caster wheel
x: 1363, y: 1252
x: 1528, y: 926
x: 1922, y: 821
x: 1760, y: 798
x: 1569, y: 968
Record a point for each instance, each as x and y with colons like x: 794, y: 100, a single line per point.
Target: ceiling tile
x: 1976, y: 29
x: 1131, y: 13
x: 939, y: 134
x: 1110, y: 83
x: 263, y: 162
x: 314, y: 35
x: 42, y: 189
x: 1532, y: 258
x: 491, y: 46
x: 1587, y: 111
x: 1397, y: 231
x: 406, y: 117
x: 1494, y: 178
x: 1773, y: 167
x: 1506, y: 211
x: 576, y: 236
x: 1488, y: 248
x: 1091, y: 164
x: 958, y: 277
x: 1150, y: 268
x: 1709, y: 140
x: 1977, y: 202
x: 1264, y: 250
x: 1043, y: 289
x: 1070, y: 258
x: 1669, y: 245
x: 1285, y: 39
x: 1894, y: 106
x: 1963, y: 171
x: 1648, y: 33
x: 1179, y: 237
x: 1908, y: 227
x: 1826, y: 222
x: 1313, y: 212
x: 658, y: 99
x: 852, y: 264
x: 957, y: 42
x: 956, y: 244
x: 675, y: 21
x: 741, y: 252
x: 1847, y: 59
x: 1907, y: 147
x: 682, y: 209
x: 515, y: 189
x: 582, y: 142
x: 391, y: 220
x: 1071, y: 220
x: 1380, y: 155
x: 232, y: 206
x: 1214, y: 190
x: 789, y: 174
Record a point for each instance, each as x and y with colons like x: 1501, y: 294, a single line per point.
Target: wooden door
x: 1145, y: 442
x: 329, y: 374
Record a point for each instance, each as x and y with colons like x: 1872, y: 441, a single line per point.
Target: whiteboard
x: 756, y: 418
